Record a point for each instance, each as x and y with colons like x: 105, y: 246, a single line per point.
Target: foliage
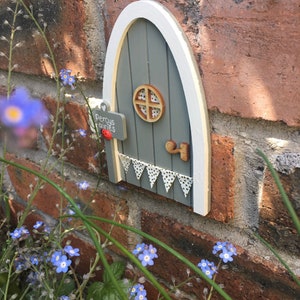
x: 105, y: 290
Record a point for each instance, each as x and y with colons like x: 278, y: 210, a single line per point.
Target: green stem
x: 51, y: 143
x: 132, y: 258
x: 82, y: 217
x: 103, y: 258
x: 11, y: 47
x: 83, y: 285
x: 58, y: 91
x: 90, y: 111
x: 9, y: 88
x: 42, y: 32
x: 25, y: 292
x: 178, y: 286
x: 169, y: 249
x: 214, y: 279
x: 8, y: 277
x: 284, y: 196
x: 87, y: 223
x: 281, y: 260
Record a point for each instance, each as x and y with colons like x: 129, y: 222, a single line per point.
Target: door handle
x: 184, y: 149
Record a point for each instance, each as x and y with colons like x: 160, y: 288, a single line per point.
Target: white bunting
x: 168, y: 178
x: 125, y: 160
x: 153, y: 173
x: 185, y: 183
x: 139, y: 167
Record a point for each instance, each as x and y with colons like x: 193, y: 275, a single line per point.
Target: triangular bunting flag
x: 153, y: 173
x: 185, y: 183
x: 168, y: 178
x: 125, y: 160
x: 139, y: 167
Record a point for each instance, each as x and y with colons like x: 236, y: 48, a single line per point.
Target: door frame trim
x: 192, y: 87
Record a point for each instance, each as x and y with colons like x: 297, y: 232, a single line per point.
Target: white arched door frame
x: 192, y: 86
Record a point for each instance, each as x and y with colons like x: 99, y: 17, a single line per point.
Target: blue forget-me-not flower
x: 21, y: 112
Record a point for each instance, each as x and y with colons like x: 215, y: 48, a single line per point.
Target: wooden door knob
x: 184, y: 149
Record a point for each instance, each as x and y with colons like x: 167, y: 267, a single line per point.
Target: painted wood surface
x: 193, y: 91
x: 146, y: 59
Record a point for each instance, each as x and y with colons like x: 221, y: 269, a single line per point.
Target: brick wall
x: 247, y: 53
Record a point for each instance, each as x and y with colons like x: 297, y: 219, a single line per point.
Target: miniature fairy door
x: 151, y: 80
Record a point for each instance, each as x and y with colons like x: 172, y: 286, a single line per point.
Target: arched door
x: 151, y: 79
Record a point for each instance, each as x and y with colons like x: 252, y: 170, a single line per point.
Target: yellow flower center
x: 14, y: 113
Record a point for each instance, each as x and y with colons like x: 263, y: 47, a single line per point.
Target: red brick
x: 247, y: 277
x: 47, y: 199
x: 65, y: 33
x: 247, y: 52
x: 222, y: 178
x: 275, y: 223
x: 100, y: 204
x: 17, y: 209
x: 86, y: 149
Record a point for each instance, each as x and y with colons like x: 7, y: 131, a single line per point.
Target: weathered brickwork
x: 82, y: 151
x: 247, y: 51
x: 64, y: 28
x: 246, y: 278
x: 276, y: 225
x: 235, y: 64
x: 49, y: 201
x: 222, y: 178
x: 248, y: 58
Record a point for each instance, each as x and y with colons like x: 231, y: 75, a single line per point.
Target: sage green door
x: 146, y: 59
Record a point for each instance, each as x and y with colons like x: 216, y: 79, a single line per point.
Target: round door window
x: 148, y: 103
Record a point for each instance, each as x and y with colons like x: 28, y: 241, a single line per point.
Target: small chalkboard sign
x: 112, y: 121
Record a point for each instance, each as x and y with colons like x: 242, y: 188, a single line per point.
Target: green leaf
x: 117, y: 268
x: 95, y: 290
x: 107, y: 291
x: 110, y: 294
x: 67, y: 287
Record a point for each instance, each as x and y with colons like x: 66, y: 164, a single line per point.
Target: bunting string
x: 153, y: 173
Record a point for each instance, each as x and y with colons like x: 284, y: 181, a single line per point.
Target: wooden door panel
x: 158, y: 70
x: 146, y: 59
x: 138, y: 46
